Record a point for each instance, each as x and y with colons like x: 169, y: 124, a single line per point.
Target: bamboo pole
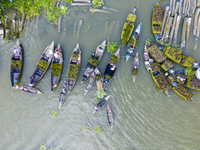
x: 116, y: 28
x: 64, y: 33
x: 173, y: 8
x: 59, y: 22
x: 196, y: 43
x: 164, y: 19
x: 198, y: 3
x: 180, y: 6
x: 110, y: 9
x: 100, y: 10
x: 194, y: 6
x: 21, y: 23
x: 106, y: 26
x: 184, y: 3
x: 188, y: 9
x: 168, y: 29
x: 189, y: 20
x: 170, y: 5
x: 75, y: 24
x: 176, y: 28
x: 37, y: 25
x: 177, y: 6
x: 183, y: 32
x: 110, y: 29
x: 166, y: 25
x: 13, y: 22
x: 195, y: 21
x: 173, y: 27
x: 78, y: 30
x: 86, y: 1
x: 198, y: 27
x: 81, y: 4
x: 27, y: 22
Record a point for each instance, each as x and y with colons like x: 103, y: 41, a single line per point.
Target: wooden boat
x: 56, y: 67
x: 180, y: 89
x: 132, y: 44
x: 135, y: 67
x: 156, y: 21
x: 128, y: 27
x: 109, y: 116
x: 146, y: 58
x: 28, y: 89
x: 63, y: 94
x: 159, y: 78
x: 90, y: 82
x: 1, y: 30
x: 101, y: 103
x: 16, y: 63
x: 111, y: 68
x: 93, y: 61
x: 42, y: 65
x: 190, y: 82
x: 72, y: 74
x: 99, y: 80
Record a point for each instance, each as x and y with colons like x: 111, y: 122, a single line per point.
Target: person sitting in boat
x: 25, y: 89
x: 96, y: 108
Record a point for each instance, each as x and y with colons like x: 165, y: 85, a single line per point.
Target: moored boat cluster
x: 159, y: 56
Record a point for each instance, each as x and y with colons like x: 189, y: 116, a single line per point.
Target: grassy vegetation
x: 190, y: 72
x: 55, y: 69
x: 43, y: 147
x: 97, y: 129
x: 42, y: 64
x: 93, y: 62
x: 34, y: 7
x: 73, y: 71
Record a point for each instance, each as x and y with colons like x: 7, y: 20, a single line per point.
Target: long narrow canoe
x: 135, y: 67
x: 28, y: 89
x: 111, y: 68
x: 90, y: 82
x: 16, y: 63
x: 101, y: 103
x: 132, y: 44
x: 56, y: 67
x: 93, y: 61
x: 72, y: 74
x: 42, y: 65
x: 109, y: 116
x: 128, y: 28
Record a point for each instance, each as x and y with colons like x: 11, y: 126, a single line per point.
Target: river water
x: 144, y: 118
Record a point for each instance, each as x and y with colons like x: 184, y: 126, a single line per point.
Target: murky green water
x: 144, y: 118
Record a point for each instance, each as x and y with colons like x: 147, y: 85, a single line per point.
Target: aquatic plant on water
x: 97, y: 3
x: 97, y: 129
x: 190, y: 72
x: 99, y: 95
x: 84, y: 129
x: 43, y: 147
x: 53, y: 114
x: 111, y: 47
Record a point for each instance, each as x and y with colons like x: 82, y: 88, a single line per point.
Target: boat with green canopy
x: 156, y: 21
x: 133, y: 42
x: 93, y: 61
x: 111, y: 68
x: 72, y: 74
x: 159, y: 78
x: 128, y: 27
x: 42, y: 65
x: 56, y: 67
x: 180, y: 89
x: 178, y: 57
x: 16, y: 64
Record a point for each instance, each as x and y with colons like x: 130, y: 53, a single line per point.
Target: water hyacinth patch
x: 97, y: 129
x: 84, y: 129
x: 111, y: 47
x: 97, y: 3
